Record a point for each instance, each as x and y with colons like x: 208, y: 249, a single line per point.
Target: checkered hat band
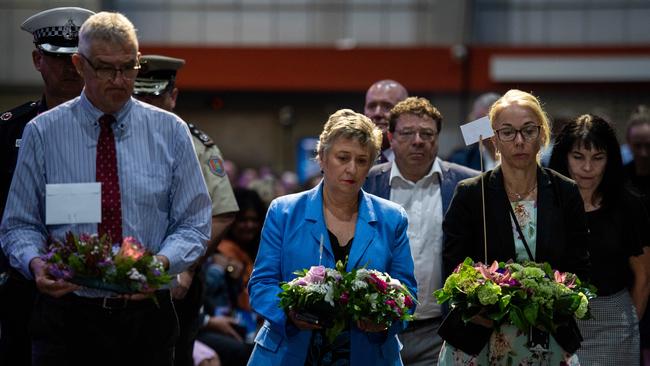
x: 65, y: 32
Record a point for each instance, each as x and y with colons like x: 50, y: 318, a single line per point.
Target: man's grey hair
x: 108, y: 27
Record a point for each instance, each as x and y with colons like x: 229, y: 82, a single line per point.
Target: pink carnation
x: 378, y: 282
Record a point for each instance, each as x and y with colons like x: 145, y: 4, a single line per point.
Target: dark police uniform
x: 55, y: 33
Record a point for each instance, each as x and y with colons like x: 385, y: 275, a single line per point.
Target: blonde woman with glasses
x: 531, y: 213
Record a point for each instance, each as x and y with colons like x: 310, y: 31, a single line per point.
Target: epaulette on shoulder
x: 20, y: 111
x: 205, y: 139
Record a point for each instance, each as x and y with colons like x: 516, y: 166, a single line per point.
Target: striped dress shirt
x: 165, y: 203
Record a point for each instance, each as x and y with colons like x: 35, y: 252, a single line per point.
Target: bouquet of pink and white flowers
x: 314, y: 297
x: 330, y: 297
x: 375, y: 296
x: 93, y: 261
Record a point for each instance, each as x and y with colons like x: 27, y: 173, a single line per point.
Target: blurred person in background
x: 229, y: 325
x: 156, y: 85
x: 56, y: 36
x: 638, y: 138
x: 469, y: 156
x: 381, y: 97
x: 587, y: 151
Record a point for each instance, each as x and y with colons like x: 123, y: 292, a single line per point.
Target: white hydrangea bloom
x: 372, y: 300
x: 329, y: 295
x: 136, y: 276
x: 358, y: 285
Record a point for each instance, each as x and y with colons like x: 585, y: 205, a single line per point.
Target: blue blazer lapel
x: 318, y: 230
x: 364, y: 232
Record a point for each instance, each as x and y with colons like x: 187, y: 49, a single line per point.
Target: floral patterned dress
x: 508, y: 345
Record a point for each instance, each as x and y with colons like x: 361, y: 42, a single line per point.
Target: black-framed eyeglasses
x: 110, y: 73
x: 406, y: 134
x: 528, y: 133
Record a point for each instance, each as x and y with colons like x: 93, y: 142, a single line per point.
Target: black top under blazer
x: 562, y: 236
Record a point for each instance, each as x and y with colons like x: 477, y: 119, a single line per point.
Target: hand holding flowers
x: 528, y: 295
x: 331, y: 297
x: 91, y: 261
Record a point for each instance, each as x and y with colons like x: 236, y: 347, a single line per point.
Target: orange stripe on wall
x: 420, y: 69
x: 312, y: 69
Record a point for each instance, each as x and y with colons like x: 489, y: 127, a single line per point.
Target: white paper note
x: 73, y: 203
x: 472, y: 130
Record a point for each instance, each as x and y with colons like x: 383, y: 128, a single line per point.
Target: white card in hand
x: 479, y: 128
x: 73, y: 203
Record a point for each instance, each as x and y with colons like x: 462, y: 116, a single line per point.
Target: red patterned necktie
x: 107, y: 175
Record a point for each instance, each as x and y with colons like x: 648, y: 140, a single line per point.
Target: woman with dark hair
x: 587, y: 150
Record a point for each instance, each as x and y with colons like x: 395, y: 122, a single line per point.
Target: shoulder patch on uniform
x: 21, y: 110
x: 202, y: 136
x: 216, y: 166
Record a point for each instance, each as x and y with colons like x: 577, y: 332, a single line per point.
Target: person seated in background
x: 229, y: 324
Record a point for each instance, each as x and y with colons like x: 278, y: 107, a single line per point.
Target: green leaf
x: 530, y: 312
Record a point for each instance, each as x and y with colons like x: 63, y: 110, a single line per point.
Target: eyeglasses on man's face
x: 110, y: 73
x: 528, y: 133
x: 408, y: 134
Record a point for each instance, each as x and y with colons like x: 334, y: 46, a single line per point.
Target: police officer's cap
x: 157, y: 74
x: 56, y: 30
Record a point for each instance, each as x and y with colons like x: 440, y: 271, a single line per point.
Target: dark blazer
x: 468, y: 156
x: 378, y: 183
x: 562, y: 238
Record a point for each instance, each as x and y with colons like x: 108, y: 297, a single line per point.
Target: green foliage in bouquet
x: 92, y: 261
x: 525, y: 295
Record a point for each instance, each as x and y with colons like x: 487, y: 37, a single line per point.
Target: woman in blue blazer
x: 369, y: 230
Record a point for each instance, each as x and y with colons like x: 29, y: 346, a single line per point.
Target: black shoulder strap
x: 521, y: 234
x: 20, y: 111
x: 202, y: 136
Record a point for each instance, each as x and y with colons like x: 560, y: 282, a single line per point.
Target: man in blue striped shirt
x: 164, y: 204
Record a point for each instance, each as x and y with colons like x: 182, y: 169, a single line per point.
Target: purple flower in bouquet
x: 60, y: 272
x: 344, y: 298
x: 316, y: 274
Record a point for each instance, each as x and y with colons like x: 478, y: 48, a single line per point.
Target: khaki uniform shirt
x: 214, y: 173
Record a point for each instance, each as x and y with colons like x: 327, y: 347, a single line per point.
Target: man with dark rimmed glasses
x: 55, y: 34
x: 423, y: 185
x: 151, y: 188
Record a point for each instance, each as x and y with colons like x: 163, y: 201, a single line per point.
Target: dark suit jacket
x: 561, y: 225
x: 377, y: 182
x: 468, y: 156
